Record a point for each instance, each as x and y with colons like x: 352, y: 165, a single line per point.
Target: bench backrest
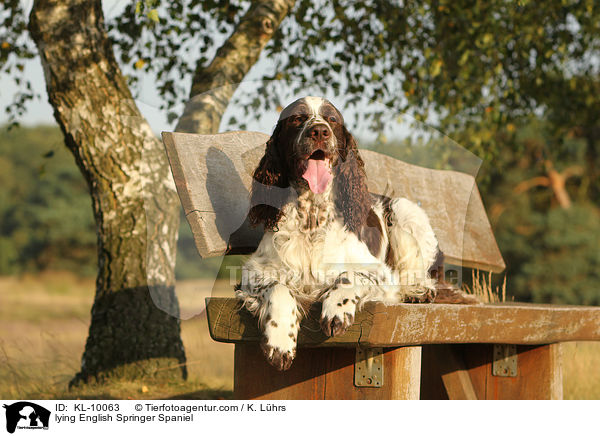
x: 213, y: 175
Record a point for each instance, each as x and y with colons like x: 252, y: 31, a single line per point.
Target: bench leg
x: 464, y: 371
x: 323, y: 374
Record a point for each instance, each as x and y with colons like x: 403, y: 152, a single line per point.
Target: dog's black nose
x: 319, y: 132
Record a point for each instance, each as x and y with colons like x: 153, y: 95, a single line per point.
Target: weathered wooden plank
x: 378, y: 325
x: 432, y: 386
x: 452, y: 202
x: 213, y: 174
x: 402, y: 375
x: 324, y: 374
x: 455, y: 376
x: 405, y: 370
x: 539, y: 373
x: 255, y: 379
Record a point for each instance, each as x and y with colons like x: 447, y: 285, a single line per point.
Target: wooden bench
x: 492, y: 351
x: 412, y: 351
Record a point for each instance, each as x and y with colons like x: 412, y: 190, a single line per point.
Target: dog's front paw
x: 339, y: 308
x: 427, y: 296
x: 279, y: 344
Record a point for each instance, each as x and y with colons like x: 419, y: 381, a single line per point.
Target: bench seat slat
x: 377, y: 325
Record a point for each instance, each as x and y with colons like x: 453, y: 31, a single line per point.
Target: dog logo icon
x: 26, y: 415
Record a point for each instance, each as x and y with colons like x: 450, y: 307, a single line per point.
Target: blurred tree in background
x: 550, y: 242
x: 46, y: 221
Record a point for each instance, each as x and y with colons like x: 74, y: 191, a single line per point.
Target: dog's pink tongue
x: 318, y: 175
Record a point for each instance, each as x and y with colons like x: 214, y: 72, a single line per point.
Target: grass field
x: 44, y: 323
x: 43, y: 328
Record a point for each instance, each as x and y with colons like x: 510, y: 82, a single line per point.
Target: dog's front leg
x: 279, y: 320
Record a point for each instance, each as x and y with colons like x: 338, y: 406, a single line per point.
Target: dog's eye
x: 297, y: 119
x: 332, y: 119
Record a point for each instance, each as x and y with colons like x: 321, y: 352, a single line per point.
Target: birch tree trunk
x: 135, y: 327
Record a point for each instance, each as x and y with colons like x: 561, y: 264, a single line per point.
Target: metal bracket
x: 368, y: 367
x: 504, y: 363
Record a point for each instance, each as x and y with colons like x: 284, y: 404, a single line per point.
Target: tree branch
x: 214, y: 85
x: 555, y: 180
x: 573, y: 170
x: 526, y: 185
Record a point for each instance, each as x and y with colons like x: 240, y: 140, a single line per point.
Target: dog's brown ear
x: 352, y: 196
x: 266, y: 200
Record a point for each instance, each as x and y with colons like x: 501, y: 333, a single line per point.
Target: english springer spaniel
x: 326, y: 239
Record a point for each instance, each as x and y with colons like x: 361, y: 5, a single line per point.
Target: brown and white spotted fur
x: 326, y: 239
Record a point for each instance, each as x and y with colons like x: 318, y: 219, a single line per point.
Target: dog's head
x: 311, y: 149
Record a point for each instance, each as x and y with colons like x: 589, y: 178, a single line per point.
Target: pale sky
x: 39, y: 111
